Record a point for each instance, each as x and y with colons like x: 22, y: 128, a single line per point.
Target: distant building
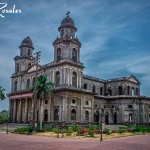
x: 76, y: 97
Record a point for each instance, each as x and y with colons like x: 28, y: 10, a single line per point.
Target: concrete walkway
x: 25, y: 142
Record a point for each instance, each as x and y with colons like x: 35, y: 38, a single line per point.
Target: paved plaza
x: 25, y: 142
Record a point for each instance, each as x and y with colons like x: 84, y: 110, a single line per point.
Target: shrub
x: 91, y: 133
x: 74, y: 128
x: 94, y: 127
x: 81, y: 132
x: 108, y: 131
x: 23, y: 130
x: 55, y: 130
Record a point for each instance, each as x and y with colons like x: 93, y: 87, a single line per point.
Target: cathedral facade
x: 76, y: 97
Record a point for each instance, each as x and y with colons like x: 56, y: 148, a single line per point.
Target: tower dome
x: 27, y: 42
x: 67, y: 22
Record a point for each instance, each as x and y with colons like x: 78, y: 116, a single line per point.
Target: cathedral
x: 76, y: 97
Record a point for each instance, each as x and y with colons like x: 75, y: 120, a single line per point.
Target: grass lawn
x: 96, y: 136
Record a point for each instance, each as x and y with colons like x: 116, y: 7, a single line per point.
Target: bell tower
x: 25, y: 60
x: 67, y: 46
x: 69, y: 69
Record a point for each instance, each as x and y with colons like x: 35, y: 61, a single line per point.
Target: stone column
x: 26, y: 110
x: 69, y: 111
x: 61, y: 76
x: 70, y: 77
x: 92, y: 111
x: 10, y: 110
x: 78, y: 110
x: 17, y: 110
x: 20, y: 117
x: 53, y: 77
x: 64, y: 76
x: 81, y: 109
x: 64, y: 109
x: 14, y: 111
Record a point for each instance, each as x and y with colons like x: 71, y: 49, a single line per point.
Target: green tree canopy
x: 41, y: 90
x: 42, y: 86
x: 2, y: 94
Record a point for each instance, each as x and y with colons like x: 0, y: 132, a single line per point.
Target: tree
x: 42, y: 89
x: 2, y: 94
x: 3, y: 116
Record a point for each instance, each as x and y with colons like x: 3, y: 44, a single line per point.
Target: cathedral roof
x: 67, y: 22
x: 27, y: 42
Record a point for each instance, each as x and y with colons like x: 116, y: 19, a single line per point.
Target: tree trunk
x: 41, y: 114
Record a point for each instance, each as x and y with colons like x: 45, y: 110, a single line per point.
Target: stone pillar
x: 14, y: 111
x: 64, y: 76
x: 69, y: 83
x: 70, y: 77
x: 92, y: 111
x: 20, y: 117
x: 53, y: 77
x: 26, y: 110
x: 81, y: 109
x: 78, y: 111
x: 69, y: 111
x: 63, y: 109
x: 61, y: 76
x: 17, y: 109
x: 10, y: 110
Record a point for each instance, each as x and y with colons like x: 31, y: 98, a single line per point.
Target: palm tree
x: 42, y: 89
x: 2, y: 94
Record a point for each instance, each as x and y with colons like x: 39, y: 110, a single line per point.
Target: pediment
x: 33, y: 68
x: 133, y: 79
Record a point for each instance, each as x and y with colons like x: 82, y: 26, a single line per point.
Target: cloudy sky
x: 115, y: 36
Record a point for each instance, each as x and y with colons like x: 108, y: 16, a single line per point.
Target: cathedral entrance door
x: 96, y: 117
x: 115, y: 118
x: 107, y: 118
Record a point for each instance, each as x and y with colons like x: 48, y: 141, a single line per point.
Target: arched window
x: 15, y: 86
x: 45, y: 115
x: 74, y: 55
x: 137, y: 91
x: 93, y: 89
x: 86, y: 116
x: 57, y: 79
x: 56, y: 114
x: 85, y: 86
x: 109, y: 92
x: 133, y: 91
x: 107, y: 118
x: 120, y: 90
x: 62, y: 33
x: 17, y: 68
x: 33, y: 81
x: 101, y: 91
x: 73, y: 115
x: 29, y: 52
x: 28, y: 83
x: 29, y: 65
x: 115, y: 118
x: 58, y: 54
x: 128, y: 90
x: 130, y: 118
x: 74, y: 79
